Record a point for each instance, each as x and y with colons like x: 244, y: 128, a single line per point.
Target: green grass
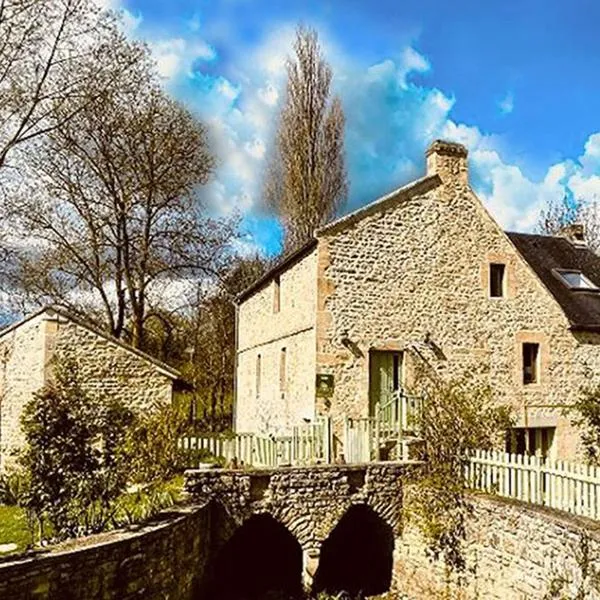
x: 13, y: 528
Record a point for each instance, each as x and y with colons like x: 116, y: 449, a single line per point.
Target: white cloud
x: 177, y: 55
x: 507, y: 104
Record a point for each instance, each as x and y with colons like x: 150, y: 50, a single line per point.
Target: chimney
x: 449, y: 161
x: 575, y: 233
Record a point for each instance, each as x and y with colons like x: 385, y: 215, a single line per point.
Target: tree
x: 210, y: 337
x: 45, y: 52
x: 306, y: 182
x: 457, y: 417
x: 559, y: 213
x: 116, y: 212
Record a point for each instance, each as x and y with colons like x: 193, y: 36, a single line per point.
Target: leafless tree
x: 116, y: 209
x: 306, y: 180
x: 44, y: 45
x: 561, y: 212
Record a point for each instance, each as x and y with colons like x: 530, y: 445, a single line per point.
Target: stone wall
x: 107, y: 368
x: 514, y: 550
x: 164, y: 560
x: 22, y: 358
x: 413, y: 277
x: 266, y: 333
x: 29, y: 352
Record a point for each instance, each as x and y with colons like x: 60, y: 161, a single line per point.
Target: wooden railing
x: 308, y: 444
x: 567, y: 486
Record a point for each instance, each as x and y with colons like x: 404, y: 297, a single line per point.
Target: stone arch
x: 357, y: 556
x: 261, y: 556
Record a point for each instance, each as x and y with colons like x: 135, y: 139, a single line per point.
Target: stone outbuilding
x: 30, y: 348
x: 423, y: 278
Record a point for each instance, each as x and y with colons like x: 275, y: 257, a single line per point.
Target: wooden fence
x: 571, y: 487
x: 308, y: 444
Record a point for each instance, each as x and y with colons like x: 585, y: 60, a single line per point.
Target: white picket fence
x: 567, y: 486
x: 308, y: 444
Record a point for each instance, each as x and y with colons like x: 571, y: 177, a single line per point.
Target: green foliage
x: 587, y: 418
x: 151, y: 445
x: 458, y: 417
x: 578, y: 584
x: 73, y: 455
x: 13, y: 487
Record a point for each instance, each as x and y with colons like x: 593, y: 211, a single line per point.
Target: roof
x: 282, y: 265
x: 420, y: 186
x: 546, y: 254
x: 161, y: 366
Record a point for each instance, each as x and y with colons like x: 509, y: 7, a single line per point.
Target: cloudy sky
x: 515, y: 80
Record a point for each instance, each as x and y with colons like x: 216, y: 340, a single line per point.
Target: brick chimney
x: 449, y: 161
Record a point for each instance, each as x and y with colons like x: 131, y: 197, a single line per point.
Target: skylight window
x: 576, y: 280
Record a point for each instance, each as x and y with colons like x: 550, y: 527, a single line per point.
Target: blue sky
x: 516, y: 81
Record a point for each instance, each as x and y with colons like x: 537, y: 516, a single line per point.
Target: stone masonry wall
x: 418, y: 271
x: 513, y: 550
x: 159, y: 561
x: 264, y: 332
x: 29, y: 352
x: 107, y: 368
x: 21, y: 374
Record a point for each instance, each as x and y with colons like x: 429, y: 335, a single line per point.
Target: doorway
x: 385, y: 376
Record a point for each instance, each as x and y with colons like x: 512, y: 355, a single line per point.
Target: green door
x: 385, y: 377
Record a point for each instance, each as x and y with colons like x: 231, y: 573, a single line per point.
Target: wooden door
x: 385, y: 377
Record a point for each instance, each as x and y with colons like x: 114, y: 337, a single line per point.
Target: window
x: 575, y: 280
x: 258, y: 374
x: 531, y: 370
x: 276, y: 295
x: 282, y: 372
x: 497, y: 284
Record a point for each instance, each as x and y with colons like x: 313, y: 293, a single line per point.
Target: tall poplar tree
x: 306, y: 182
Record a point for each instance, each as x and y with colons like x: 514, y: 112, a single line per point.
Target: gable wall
x: 27, y: 356
x: 22, y: 353
x: 261, y: 331
x: 421, y: 268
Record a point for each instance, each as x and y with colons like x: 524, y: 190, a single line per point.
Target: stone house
x: 30, y: 348
x: 422, y: 277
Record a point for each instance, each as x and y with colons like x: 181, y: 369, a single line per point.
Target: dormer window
x: 575, y: 280
x: 497, y: 280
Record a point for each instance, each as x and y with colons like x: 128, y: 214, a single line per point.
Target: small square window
x: 531, y: 359
x: 497, y: 280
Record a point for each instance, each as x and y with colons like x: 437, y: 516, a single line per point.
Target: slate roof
x: 545, y: 254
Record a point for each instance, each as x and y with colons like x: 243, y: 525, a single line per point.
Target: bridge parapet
x: 309, y: 501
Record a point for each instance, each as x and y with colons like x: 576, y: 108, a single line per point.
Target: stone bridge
x: 314, y: 514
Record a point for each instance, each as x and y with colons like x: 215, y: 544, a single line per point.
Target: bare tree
x: 116, y: 209
x: 306, y: 181
x: 564, y: 211
x: 43, y: 47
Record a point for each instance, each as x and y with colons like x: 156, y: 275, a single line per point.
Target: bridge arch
x: 259, y: 557
x: 357, y: 556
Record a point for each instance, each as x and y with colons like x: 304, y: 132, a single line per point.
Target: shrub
x: 13, y: 488
x: 458, y: 417
x: 73, y: 455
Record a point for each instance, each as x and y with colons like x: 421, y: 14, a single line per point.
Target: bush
x: 13, y: 488
x: 458, y: 417
x: 73, y: 456
x: 151, y: 445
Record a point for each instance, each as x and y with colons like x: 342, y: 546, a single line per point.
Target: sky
x: 515, y: 81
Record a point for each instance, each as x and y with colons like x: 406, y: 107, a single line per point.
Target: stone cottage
x: 422, y: 277
x: 28, y: 350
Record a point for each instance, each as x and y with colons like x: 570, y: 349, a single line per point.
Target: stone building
x: 422, y: 277
x: 30, y: 348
